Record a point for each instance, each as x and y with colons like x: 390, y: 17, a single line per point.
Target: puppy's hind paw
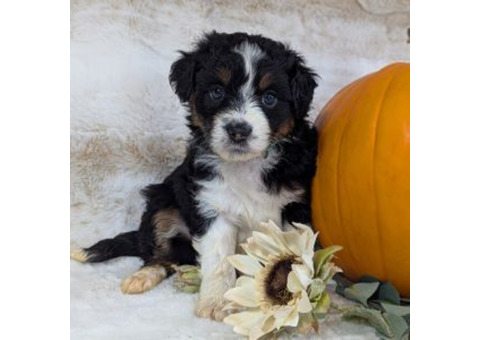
x: 79, y: 255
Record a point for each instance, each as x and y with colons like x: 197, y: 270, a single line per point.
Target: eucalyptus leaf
x: 387, y: 292
x: 395, y: 309
x: 368, y: 279
x: 322, y: 256
x: 398, y: 325
x: 373, y: 317
x: 375, y: 304
x: 342, y: 283
x: 361, y: 292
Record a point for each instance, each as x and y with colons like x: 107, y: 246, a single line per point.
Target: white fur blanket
x: 127, y: 129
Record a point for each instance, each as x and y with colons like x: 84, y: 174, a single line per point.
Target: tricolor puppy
x: 250, y: 158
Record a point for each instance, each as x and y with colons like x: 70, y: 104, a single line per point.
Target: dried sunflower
x: 280, y: 280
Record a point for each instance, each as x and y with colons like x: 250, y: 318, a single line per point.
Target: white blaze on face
x: 248, y: 112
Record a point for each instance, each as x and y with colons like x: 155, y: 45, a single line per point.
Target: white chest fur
x: 240, y: 196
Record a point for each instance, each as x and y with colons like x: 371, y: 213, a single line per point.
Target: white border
x: 445, y: 169
x: 34, y: 149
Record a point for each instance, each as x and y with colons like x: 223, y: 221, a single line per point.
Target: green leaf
x: 317, y: 287
x: 187, y: 288
x: 322, y: 256
x: 398, y: 325
x: 361, y: 292
x: 186, y: 268
x: 395, y: 309
x: 327, y: 271
x: 387, y: 292
x: 373, y: 317
x: 322, y: 305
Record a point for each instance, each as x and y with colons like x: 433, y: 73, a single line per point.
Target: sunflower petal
x: 245, y: 322
x: 274, y: 232
x: 294, y: 284
x: 292, y: 319
x: 302, y: 227
x: 259, y: 255
x: 244, y: 296
x: 245, y: 281
x: 265, y: 242
x: 269, y: 324
x: 304, y: 305
x: 295, y: 243
x: 308, y: 260
x: 245, y: 264
x: 232, y: 305
x: 281, y: 314
x: 303, y: 273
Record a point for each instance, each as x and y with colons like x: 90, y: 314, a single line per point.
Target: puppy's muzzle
x: 238, y: 132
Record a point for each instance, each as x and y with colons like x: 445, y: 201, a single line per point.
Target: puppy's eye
x: 217, y: 93
x: 269, y: 100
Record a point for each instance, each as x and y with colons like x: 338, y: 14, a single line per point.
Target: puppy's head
x: 243, y: 92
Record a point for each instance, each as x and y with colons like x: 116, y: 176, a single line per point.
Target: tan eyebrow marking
x: 284, y: 129
x: 224, y: 74
x: 265, y: 81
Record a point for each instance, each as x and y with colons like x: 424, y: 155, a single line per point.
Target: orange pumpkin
x: 361, y: 190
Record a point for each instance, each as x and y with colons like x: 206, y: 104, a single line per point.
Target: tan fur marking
x: 284, y: 129
x: 196, y: 120
x: 143, y: 280
x: 165, y: 222
x: 265, y: 81
x: 78, y: 255
x: 224, y: 74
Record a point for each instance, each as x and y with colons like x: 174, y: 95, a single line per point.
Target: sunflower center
x: 276, y: 282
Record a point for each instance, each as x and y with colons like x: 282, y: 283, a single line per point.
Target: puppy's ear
x: 302, y: 85
x: 182, y: 76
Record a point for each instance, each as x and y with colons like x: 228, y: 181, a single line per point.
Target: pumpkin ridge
x: 375, y: 195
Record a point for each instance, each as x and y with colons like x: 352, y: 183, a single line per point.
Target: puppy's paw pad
x: 79, y: 255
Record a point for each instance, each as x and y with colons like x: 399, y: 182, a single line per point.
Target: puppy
x: 250, y: 158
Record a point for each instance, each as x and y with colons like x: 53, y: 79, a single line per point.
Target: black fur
x: 191, y: 77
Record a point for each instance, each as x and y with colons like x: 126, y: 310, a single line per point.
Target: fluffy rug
x: 127, y: 129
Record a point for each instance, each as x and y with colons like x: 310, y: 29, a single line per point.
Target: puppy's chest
x: 239, y: 194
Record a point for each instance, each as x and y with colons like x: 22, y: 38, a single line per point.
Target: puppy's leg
x: 125, y: 244
x: 217, y: 274
x: 145, y: 279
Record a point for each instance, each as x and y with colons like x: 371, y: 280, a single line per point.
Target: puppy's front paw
x: 211, y: 309
x: 143, y: 280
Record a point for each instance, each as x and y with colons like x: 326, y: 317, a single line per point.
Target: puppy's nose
x: 238, y: 131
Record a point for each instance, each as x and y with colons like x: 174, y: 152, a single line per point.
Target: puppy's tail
x: 125, y: 244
